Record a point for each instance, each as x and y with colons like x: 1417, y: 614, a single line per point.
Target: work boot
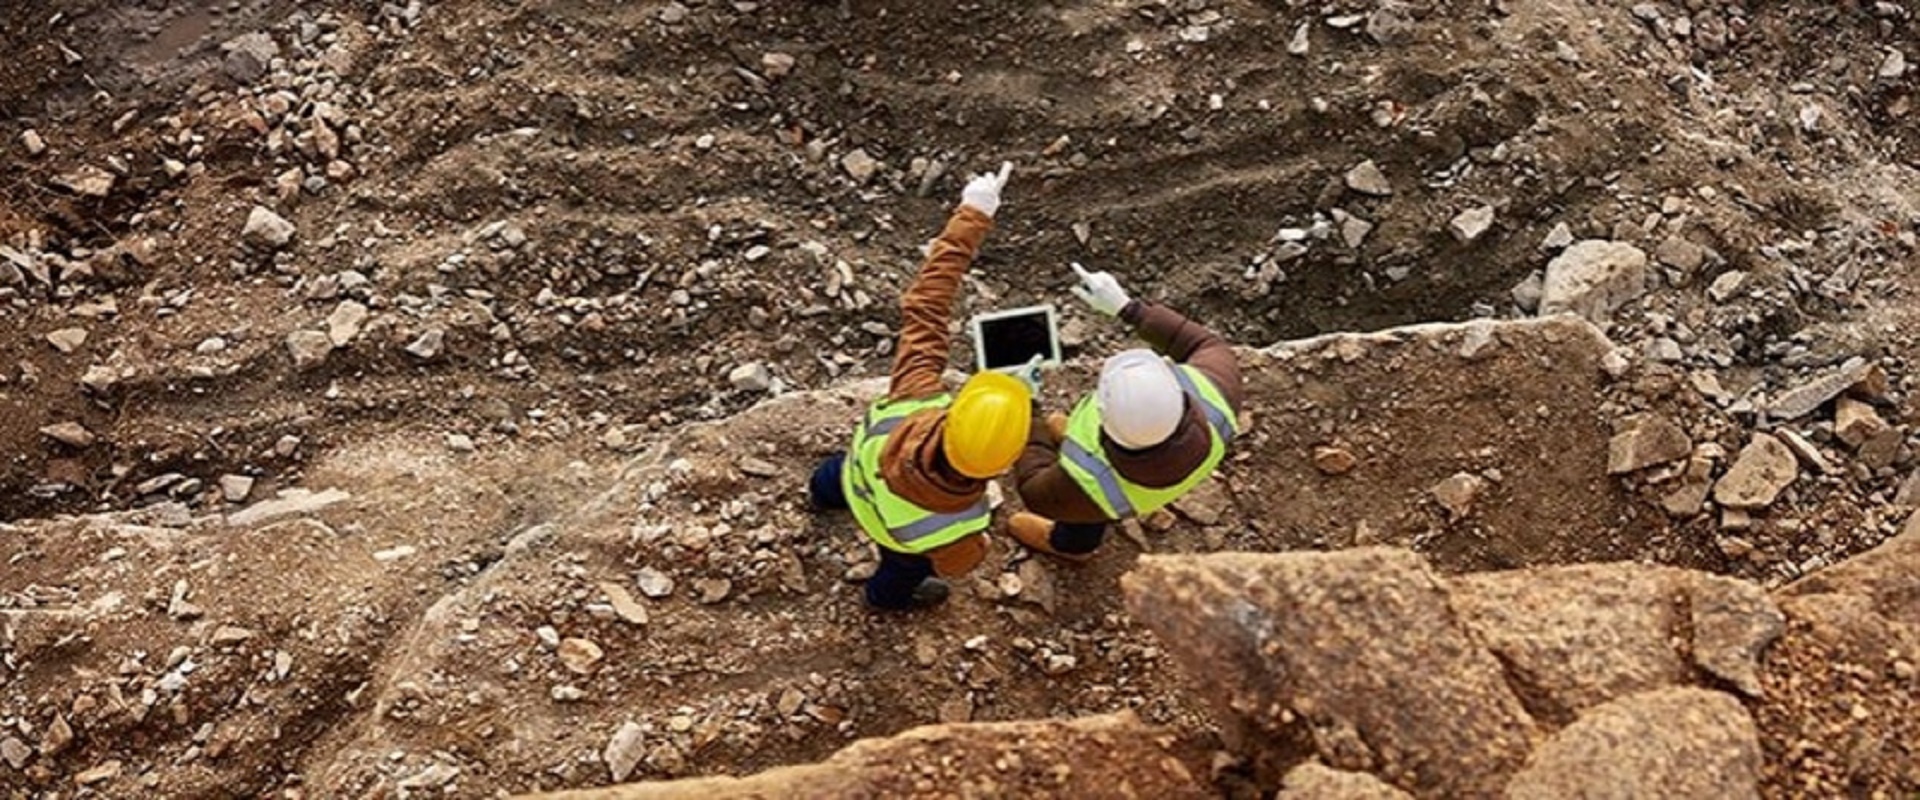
x: 931, y: 592
x: 1036, y: 532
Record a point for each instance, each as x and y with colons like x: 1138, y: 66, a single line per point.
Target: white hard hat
x: 1139, y: 398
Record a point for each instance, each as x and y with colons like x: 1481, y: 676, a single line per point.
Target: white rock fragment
x: 752, y: 377
x: 1366, y: 178
x: 1592, y: 278
x: 266, y: 229
x: 1468, y: 226
x: 345, y: 322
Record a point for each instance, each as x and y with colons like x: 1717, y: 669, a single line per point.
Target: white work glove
x: 1101, y: 291
x: 983, y: 191
x: 1030, y: 374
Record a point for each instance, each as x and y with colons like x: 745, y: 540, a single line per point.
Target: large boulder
x: 1108, y: 756
x: 1361, y: 647
x: 1583, y: 635
x: 1681, y: 742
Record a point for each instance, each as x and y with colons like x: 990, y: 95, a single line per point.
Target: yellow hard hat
x: 987, y: 425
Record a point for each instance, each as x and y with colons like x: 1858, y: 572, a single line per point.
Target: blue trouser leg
x: 1077, y: 538
x: 824, y: 490
x: 899, y: 574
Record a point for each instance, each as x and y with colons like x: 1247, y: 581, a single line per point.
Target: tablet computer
x: 1007, y: 340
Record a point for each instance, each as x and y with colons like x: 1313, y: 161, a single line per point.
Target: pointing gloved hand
x: 1101, y: 291
x: 983, y: 191
x: 1030, y: 374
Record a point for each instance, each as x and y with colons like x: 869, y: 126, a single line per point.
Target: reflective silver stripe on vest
x: 1102, y: 474
x: 883, y: 427
x: 1221, y: 422
x: 924, y: 527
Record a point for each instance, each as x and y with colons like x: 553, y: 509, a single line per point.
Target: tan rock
x: 1647, y: 440
x: 1316, y: 781
x: 1764, y: 468
x: 580, y: 656
x: 1334, y: 460
x: 1457, y: 493
x: 1856, y: 422
x: 71, y: 434
x: 1681, y: 742
x: 1592, y: 278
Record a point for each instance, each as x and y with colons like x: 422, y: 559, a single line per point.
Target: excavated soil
x: 596, y: 210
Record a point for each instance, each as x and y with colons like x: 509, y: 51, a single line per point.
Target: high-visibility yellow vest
x: 891, y: 520
x: 1082, y: 456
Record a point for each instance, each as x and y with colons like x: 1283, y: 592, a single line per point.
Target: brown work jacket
x: 1049, y: 491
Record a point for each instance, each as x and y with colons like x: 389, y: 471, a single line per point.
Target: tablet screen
x: 1013, y: 340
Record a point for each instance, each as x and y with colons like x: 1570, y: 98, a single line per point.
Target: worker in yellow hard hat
x: 916, y: 473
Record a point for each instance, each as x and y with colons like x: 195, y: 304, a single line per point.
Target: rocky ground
x: 403, y: 399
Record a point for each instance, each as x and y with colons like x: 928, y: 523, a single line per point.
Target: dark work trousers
x: 892, y: 584
x: 1077, y: 538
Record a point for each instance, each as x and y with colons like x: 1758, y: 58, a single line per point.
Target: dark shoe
x: 1036, y: 532
x: 931, y: 592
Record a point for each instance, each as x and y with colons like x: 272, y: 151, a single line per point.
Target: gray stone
x: 248, y: 56
x: 1764, y: 468
x: 1315, y: 781
x: 308, y: 348
x: 1557, y: 239
x: 1681, y: 742
x: 859, y: 166
x: 1804, y: 398
x: 777, y: 65
x: 345, y: 322
x: 1647, y: 440
x: 1206, y: 505
x: 1675, y: 251
x: 1726, y: 285
x: 71, y: 434
x: 1526, y: 293
x: 428, y: 345
x: 1592, y: 278
x: 1733, y: 622
x: 266, y: 229
x: 1468, y: 226
x: 67, y: 340
x: 653, y: 583
x: 1893, y: 66
x: 235, y: 488
x: 751, y: 377
x: 291, y: 502
x: 623, y: 751
x: 1300, y: 43
x: 15, y: 752
x: 1366, y: 178
x: 1457, y: 493
x: 1354, y: 231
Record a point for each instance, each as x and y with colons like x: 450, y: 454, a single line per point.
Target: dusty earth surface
x: 384, y: 388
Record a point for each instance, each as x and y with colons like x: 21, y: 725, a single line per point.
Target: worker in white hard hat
x: 1157, y: 426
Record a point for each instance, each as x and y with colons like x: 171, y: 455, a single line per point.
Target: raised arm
x: 927, y: 306
x: 1173, y: 335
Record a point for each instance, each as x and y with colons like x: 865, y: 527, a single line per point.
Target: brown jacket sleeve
x: 1183, y: 340
x: 1044, y: 487
x: 927, y: 307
